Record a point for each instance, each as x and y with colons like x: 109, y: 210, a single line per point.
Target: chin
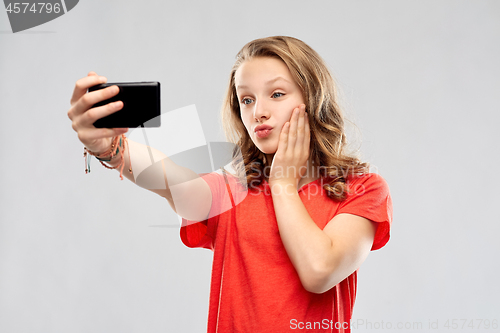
x: 266, y: 147
x: 266, y: 150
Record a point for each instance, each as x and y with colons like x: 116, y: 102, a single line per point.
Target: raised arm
x: 187, y: 193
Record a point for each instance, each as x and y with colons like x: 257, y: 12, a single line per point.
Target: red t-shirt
x: 254, y: 286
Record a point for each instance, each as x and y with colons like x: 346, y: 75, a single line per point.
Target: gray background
x: 80, y: 253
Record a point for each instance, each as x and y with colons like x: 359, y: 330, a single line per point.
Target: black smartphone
x: 141, y: 105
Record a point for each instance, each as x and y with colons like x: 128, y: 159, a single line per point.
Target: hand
x: 290, y: 161
x: 83, y: 116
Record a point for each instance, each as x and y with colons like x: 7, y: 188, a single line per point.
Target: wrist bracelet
x: 109, y: 154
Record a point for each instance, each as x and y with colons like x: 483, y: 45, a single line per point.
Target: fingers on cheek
x: 286, y: 128
x: 307, y: 135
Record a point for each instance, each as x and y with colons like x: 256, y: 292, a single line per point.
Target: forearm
x: 138, y: 156
x: 154, y: 171
x: 306, y: 244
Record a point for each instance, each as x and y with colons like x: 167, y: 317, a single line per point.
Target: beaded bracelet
x: 108, y: 155
x: 109, y: 150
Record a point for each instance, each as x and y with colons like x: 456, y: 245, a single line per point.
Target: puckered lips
x: 263, y: 131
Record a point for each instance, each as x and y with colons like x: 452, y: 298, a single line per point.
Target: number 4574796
x: 36, y: 8
x: 471, y: 323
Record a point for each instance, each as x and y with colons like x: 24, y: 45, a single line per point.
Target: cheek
x: 288, y: 114
x: 246, y: 123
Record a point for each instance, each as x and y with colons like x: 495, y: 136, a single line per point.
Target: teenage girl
x: 291, y: 225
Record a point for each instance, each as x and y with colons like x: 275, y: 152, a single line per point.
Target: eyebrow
x: 268, y: 82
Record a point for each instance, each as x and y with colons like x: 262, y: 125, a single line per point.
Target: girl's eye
x: 277, y: 93
x: 246, y: 101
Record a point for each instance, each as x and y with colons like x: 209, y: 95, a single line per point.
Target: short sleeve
x: 202, y: 234
x: 369, y: 197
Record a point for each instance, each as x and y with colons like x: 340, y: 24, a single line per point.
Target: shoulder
x: 220, y: 175
x: 359, y: 184
x: 212, y: 177
x: 226, y: 186
x: 367, y: 192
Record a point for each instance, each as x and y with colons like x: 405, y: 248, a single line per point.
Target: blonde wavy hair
x: 326, y: 119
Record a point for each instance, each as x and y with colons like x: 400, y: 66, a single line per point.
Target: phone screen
x: 141, y: 105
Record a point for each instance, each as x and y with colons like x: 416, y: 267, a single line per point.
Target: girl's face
x: 267, y: 95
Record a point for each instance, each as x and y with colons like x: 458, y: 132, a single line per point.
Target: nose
x: 261, y: 110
